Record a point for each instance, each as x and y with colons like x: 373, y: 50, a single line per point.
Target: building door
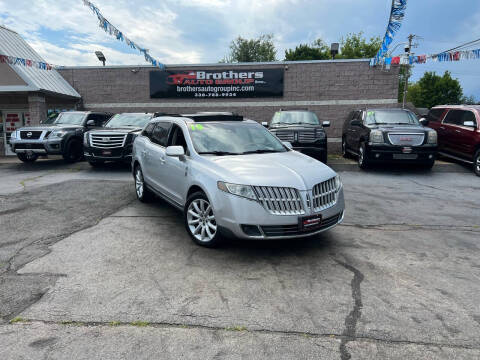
x: 12, y: 120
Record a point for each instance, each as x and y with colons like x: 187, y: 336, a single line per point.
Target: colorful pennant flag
x: 13, y: 60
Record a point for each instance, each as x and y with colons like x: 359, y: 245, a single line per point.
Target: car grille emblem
x: 296, y: 136
x: 405, y: 138
x: 106, y: 139
x: 29, y: 134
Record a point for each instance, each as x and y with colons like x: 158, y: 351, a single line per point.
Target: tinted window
x: 435, y: 115
x: 160, y: 133
x: 468, y: 116
x: 129, y: 119
x: 177, y: 138
x: 70, y: 118
x: 295, y: 117
x: 148, y: 130
x: 454, y: 117
x: 98, y: 118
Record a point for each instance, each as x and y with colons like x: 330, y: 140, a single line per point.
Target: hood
x: 121, y: 130
x: 401, y: 128
x: 50, y: 127
x: 288, y: 169
x: 295, y: 127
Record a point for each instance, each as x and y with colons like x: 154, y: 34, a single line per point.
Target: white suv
x: 232, y: 177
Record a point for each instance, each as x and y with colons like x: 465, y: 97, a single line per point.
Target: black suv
x: 114, y: 141
x: 388, y: 135
x: 63, y: 137
x: 303, y: 130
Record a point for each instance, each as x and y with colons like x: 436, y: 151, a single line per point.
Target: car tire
x: 362, y: 157
x: 144, y: 194
x: 200, y: 221
x: 476, y: 163
x: 345, y: 153
x: 429, y: 165
x: 73, y: 151
x: 96, y: 163
x: 27, y: 158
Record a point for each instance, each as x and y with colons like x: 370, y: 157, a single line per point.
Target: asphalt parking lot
x: 88, y: 272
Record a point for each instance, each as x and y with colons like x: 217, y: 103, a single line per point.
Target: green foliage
x: 433, y: 89
x: 17, y: 320
x: 355, y: 46
x: 140, y: 323
x: 469, y: 100
x: 318, y: 50
x: 261, y: 49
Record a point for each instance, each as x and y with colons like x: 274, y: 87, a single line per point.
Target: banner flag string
x: 112, y: 30
x: 13, y: 60
x: 397, y: 13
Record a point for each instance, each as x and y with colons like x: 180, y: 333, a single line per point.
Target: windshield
x: 70, y: 118
x: 391, y: 117
x: 126, y: 119
x: 295, y: 117
x: 233, y: 138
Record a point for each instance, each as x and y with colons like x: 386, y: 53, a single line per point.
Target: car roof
x: 465, y: 106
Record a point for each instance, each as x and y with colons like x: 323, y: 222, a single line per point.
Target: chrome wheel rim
x: 360, y: 156
x: 477, y: 164
x: 139, y: 183
x: 201, y: 221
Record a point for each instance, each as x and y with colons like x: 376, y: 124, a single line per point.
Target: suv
x: 232, y: 177
x: 63, y: 137
x: 458, y: 129
x: 388, y: 135
x: 303, y: 130
x: 114, y: 141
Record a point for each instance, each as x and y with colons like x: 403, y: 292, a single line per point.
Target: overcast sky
x: 65, y: 32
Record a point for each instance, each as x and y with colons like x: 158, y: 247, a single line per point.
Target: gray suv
x: 63, y: 137
x: 232, y: 177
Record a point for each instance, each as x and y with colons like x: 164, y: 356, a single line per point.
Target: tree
x: 355, y: 46
x: 318, y: 50
x: 433, y: 89
x: 469, y: 100
x: 251, y: 50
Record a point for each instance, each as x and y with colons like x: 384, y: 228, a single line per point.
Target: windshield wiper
x: 219, y: 153
x: 260, y: 151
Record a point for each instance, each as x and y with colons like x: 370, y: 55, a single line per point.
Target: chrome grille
x: 406, y: 139
x: 324, y: 195
x: 285, y: 135
x: 306, y: 135
x: 34, y: 135
x: 107, y: 141
x: 280, y: 200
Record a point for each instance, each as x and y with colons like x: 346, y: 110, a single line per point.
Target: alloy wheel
x: 477, y: 164
x: 360, y: 156
x: 201, y: 221
x: 139, y: 183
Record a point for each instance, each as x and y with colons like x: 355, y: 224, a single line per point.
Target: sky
x: 66, y: 32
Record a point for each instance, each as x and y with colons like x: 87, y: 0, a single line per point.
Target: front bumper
x: 406, y: 154
x: 122, y: 154
x: 238, y: 216
x: 41, y: 146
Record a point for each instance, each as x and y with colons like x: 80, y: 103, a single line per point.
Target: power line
x: 462, y: 46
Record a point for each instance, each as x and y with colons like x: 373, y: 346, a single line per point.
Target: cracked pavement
x: 88, y: 270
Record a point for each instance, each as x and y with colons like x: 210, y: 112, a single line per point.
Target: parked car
x: 458, y: 132
x: 388, y: 135
x: 303, y: 130
x: 114, y: 141
x: 232, y: 177
x: 63, y: 137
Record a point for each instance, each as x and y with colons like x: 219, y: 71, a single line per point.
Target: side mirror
x: 90, y: 122
x: 288, y: 144
x: 423, y: 121
x: 469, y: 123
x: 355, y: 122
x: 176, y: 151
x: 264, y: 123
x: 326, y: 124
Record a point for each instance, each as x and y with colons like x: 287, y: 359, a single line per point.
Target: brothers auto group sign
x: 216, y: 83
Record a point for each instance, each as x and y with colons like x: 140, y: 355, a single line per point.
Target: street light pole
x: 407, y: 75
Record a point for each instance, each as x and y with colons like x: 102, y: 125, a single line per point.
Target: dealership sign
x: 216, y: 83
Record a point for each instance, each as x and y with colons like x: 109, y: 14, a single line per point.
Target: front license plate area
x: 405, y: 156
x: 106, y: 152
x: 308, y: 223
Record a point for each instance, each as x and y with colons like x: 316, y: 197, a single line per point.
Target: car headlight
x: 245, y: 191
x: 85, y: 139
x: 57, y: 134
x: 432, y: 137
x: 376, y: 136
x: 14, y: 135
x: 338, y: 183
x: 320, y: 134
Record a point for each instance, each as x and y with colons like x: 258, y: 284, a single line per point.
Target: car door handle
x: 353, y: 130
x: 441, y: 127
x: 162, y: 160
x: 457, y: 131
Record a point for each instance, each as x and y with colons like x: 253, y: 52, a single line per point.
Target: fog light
x: 251, y: 230
x: 377, y: 155
x: 430, y: 156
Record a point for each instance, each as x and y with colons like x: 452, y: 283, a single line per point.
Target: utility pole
x: 407, y: 75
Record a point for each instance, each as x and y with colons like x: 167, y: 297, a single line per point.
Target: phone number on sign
x: 215, y: 94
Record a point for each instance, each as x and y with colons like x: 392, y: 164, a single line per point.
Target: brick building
x: 331, y: 88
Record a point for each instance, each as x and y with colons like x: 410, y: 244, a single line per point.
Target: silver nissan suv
x: 232, y: 177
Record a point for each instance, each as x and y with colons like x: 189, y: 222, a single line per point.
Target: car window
x: 454, y: 117
x: 177, y: 138
x: 468, y: 116
x: 295, y: 117
x: 148, y: 130
x: 129, y: 119
x: 160, y: 133
x: 98, y: 118
x: 391, y: 117
x: 435, y: 115
x: 70, y: 118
